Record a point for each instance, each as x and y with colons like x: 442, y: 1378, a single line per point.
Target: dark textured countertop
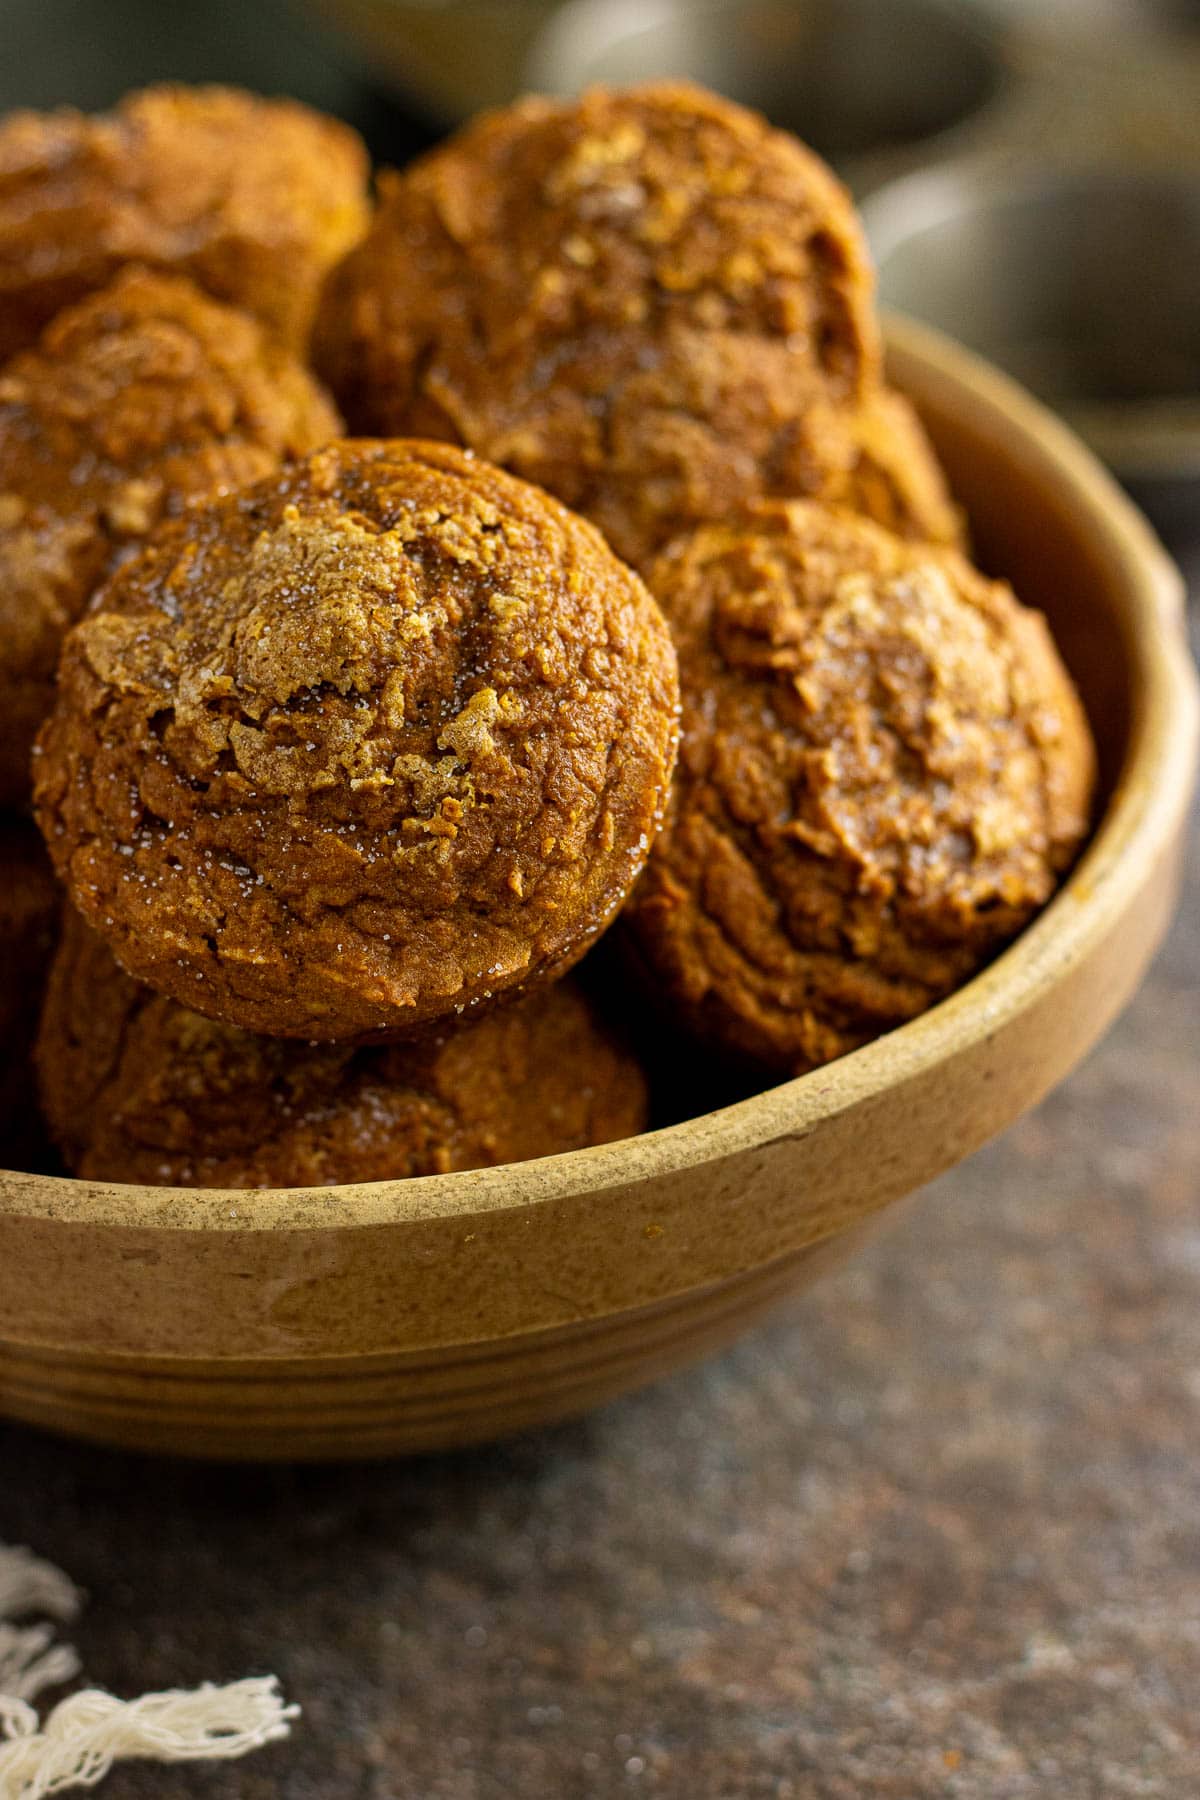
x: 935, y: 1531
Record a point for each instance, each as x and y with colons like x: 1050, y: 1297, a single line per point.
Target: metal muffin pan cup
x: 850, y: 76
x: 856, y: 79
x: 1083, y: 282
x: 879, y: 86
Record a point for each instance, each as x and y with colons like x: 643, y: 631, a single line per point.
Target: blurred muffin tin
x: 1081, y: 280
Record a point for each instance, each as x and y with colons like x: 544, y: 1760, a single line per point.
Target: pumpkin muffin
x: 884, y: 773
x: 360, y: 747
x: 255, y: 199
x: 646, y: 301
x: 137, y: 1088
x: 29, y: 906
x: 136, y: 400
x: 893, y: 475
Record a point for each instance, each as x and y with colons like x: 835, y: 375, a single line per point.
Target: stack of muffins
x: 637, y: 594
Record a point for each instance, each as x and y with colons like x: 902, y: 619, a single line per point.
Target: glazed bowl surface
x: 415, y: 1315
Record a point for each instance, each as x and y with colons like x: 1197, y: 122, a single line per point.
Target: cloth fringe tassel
x: 79, y: 1741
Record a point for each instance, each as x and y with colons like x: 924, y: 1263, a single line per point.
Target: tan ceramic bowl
x: 416, y: 1314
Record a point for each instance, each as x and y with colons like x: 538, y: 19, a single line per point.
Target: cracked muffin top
x: 144, y: 395
x: 138, y: 1088
x: 883, y: 774
x: 255, y: 199
x: 360, y: 747
x: 633, y: 298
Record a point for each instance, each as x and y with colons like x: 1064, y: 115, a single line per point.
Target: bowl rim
x: 1152, y: 789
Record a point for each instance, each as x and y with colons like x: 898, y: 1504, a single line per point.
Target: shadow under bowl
x: 1082, y: 283
x: 415, y: 1315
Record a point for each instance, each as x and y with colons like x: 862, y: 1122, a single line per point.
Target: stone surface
x: 934, y: 1532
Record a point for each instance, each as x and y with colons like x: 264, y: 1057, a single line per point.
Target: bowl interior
x: 1042, y: 515
x: 412, y: 1314
x: 851, y: 77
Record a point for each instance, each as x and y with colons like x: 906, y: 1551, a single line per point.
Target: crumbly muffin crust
x: 360, y: 747
x: 635, y: 299
x: 884, y: 772
x: 255, y: 199
x: 137, y: 1088
x: 143, y: 396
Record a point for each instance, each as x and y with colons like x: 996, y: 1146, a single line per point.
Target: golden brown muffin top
x: 137, y: 1088
x: 253, y: 198
x: 361, y: 746
x: 139, y: 398
x: 630, y: 298
x: 884, y: 771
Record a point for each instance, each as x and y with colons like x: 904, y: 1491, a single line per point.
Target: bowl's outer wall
x: 416, y: 1315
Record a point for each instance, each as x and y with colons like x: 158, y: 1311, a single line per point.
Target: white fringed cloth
x: 77, y: 1743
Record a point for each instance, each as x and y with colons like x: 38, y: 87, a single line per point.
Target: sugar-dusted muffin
x: 647, y: 301
x: 29, y: 907
x: 255, y: 199
x: 137, y: 1088
x: 136, y: 400
x: 361, y: 747
x: 884, y: 773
